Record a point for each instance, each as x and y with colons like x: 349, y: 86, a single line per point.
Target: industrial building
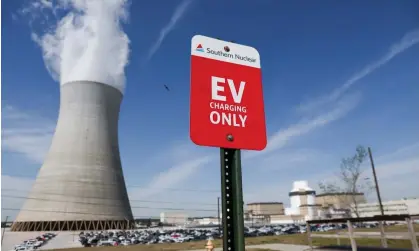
x: 304, y: 205
x: 394, y: 207
x: 261, y: 212
x: 205, y: 221
x: 339, y: 200
x: 80, y: 185
x: 303, y: 200
x: 173, y: 218
x: 265, y: 208
x: 337, y: 205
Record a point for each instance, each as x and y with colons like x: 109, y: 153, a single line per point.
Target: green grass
x: 301, y: 239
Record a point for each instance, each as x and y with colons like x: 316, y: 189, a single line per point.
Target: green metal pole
x: 232, y: 200
x: 4, y: 229
x: 223, y: 198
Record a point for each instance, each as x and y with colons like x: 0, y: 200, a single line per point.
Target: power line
x: 260, y: 212
x: 111, y: 205
x: 171, y: 189
x: 105, y: 198
x: 96, y: 214
x: 85, y: 213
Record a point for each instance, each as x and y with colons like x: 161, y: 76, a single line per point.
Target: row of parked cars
x: 295, y: 228
x: 148, y: 236
x: 34, y: 243
x: 179, y: 235
x: 289, y: 229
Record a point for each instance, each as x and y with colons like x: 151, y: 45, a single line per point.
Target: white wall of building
x: 173, y: 218
x: 287, y: 221
x: 408, y: 206
x: 413, y: 206
x: 310, y: 215
x: 295, y: 200
x: 208, y: 221
x: 311, y: 199
x: 295, y: 205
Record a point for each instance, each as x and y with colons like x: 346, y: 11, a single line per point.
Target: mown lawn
x: 301, y: 239
x: 394, y: 228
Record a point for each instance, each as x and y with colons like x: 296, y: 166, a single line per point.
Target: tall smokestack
x: 80, y: 185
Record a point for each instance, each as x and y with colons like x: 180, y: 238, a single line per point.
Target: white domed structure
x: 303, y: 200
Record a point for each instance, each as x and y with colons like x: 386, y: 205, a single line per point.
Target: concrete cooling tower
x: 80, y: 185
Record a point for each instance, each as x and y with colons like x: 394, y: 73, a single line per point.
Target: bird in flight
x: 167, y: 88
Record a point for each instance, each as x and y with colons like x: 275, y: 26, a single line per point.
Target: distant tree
x: 350, y: 183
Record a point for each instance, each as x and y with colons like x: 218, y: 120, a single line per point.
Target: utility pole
x: 4, y: 229
x: 218, y: 215
x: 377, y: 189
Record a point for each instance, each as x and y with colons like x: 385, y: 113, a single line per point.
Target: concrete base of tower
x: 71, y: 225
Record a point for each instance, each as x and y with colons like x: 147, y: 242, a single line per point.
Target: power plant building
x: 303, y: 200
x: 175, y: 218
x: 339, y: 200
x: 81, y: 185
x: 393, y: 207
x: 304, y: 205
x: 337, y: 205
x: 265, y: 208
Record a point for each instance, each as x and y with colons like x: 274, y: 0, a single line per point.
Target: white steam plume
x: 86, y: 42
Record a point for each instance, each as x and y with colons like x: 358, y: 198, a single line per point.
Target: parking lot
x: 149, y: 236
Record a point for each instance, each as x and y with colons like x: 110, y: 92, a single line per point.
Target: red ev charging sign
x: 226, y: 103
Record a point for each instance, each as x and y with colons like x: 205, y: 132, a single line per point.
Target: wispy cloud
x: 172, y: 177
x: 26, y: 134
x: 179, y: 12
x: 410, y: 39
x: 14, y: 187
x: 342, y: 102
x: 401, y: 153
x: 389, y: 170
x: 288, y: 159
x: 283, y: 136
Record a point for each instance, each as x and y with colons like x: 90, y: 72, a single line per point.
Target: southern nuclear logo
x: 199, y: 48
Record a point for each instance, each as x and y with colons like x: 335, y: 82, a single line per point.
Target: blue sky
x: 336, y: 74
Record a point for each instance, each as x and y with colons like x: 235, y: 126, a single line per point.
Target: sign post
x: 232, y: 203
x: 227, y: 111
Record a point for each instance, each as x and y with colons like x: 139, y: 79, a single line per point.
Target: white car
x: 126, y: 242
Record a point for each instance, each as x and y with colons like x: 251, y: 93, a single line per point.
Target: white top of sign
x: 224, y: 51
